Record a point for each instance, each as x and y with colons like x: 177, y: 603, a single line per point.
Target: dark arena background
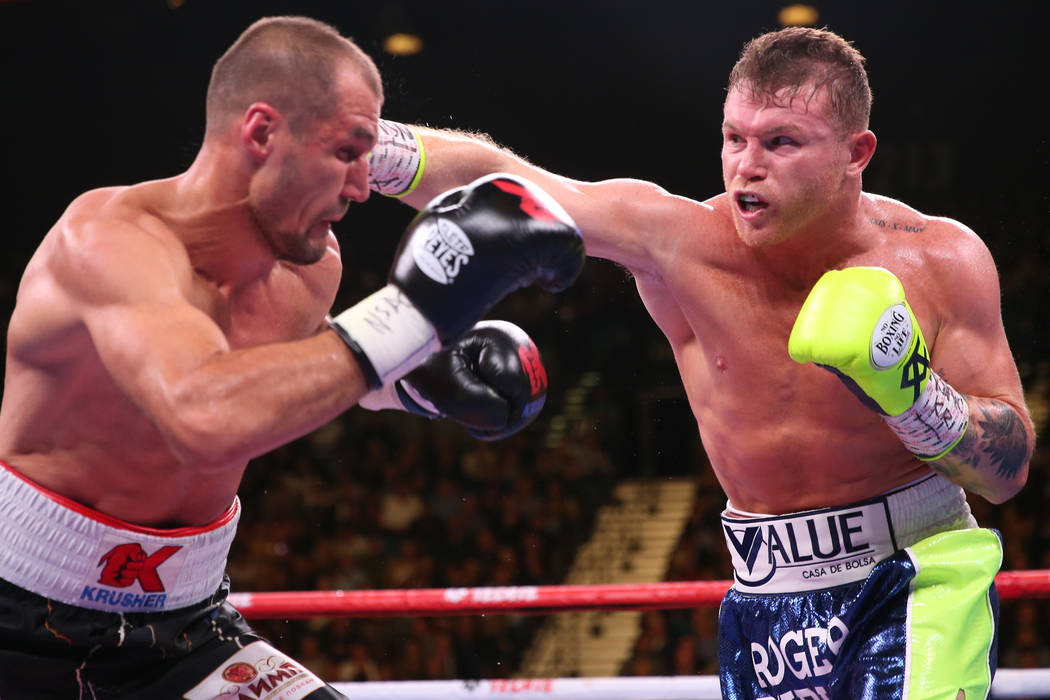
x: 104, y: 93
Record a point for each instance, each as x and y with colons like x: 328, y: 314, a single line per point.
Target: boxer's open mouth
x: 750, y: 202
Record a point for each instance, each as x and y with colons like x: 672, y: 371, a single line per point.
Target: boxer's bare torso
x: 725, y: 280
x: 66, y: 423
x: 166, y: 333
x: 727, y: 311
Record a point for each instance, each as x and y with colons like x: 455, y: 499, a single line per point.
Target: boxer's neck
x: 208, y: 210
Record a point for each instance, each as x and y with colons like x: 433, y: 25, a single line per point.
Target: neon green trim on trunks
x: 950, y: 623
x: 419, y: 169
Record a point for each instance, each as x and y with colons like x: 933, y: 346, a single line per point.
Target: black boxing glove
x: 461, y: 254
x: 491, y: 380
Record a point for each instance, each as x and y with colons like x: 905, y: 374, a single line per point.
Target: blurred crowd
x: 394, y: 501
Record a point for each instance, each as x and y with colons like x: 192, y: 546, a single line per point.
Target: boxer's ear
x: 258, y: 127
x: 862, y: 148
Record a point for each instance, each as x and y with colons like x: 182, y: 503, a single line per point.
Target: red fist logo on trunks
x: 127, y: 563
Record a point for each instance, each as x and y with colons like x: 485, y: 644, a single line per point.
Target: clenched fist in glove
x: 492, y: 380
x: 857, y: 323
x: 462, y: 253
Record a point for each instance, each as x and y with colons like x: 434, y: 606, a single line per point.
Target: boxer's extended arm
x: 963, y: 410
x: 622, y: 220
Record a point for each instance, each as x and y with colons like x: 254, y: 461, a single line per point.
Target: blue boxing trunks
x: 888, y: 599
x: 92, y: 608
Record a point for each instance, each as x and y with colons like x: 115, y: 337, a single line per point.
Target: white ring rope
x: 1009, y: 683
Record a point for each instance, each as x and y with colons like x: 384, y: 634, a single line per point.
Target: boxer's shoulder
x: 935, y: 256
x: 110, y: 233
x: 113, y: 214
x: 104, y: 245
x: 906, y: 226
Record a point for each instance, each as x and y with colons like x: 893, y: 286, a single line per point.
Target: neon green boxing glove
x: 857, y: 323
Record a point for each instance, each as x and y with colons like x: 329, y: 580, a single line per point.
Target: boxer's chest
x: 284, y: 306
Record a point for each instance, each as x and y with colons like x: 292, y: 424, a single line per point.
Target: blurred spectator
x: 359, y: 665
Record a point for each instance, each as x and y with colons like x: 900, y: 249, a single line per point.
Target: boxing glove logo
x: 530, y: 361
x: 916, y: 370
x: 260, y: 672
x: 442, y: 250
x: 531, y: 204
x: 891, y: 337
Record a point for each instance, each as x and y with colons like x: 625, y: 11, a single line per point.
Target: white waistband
x: 833, y: 546
x: 67, y: 552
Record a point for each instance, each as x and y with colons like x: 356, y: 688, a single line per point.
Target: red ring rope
x: 1033, y: 583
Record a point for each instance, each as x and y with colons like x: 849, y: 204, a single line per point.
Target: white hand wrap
x: 396, y: 163
x: 936, y: 421
x: 389, y: 397
x: 389, y: 332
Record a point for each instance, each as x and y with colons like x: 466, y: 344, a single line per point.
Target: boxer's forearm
x: 455, y: 158
x: 245, y: 403
x: 992, y: 457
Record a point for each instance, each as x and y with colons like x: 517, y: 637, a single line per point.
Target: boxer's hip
x: 866, y: 600
x: 68, y: 553
x: 828, y: 547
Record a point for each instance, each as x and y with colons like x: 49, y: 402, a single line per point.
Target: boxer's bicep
x: 971, y: 349
x: 973, y: 354
x: 630, y: 222
x: 129, y: 293
x: 215, y: 405
x: 149, y: 348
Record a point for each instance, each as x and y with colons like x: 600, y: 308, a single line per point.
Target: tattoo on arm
x: 994, y: 441
x: 1002, y: 439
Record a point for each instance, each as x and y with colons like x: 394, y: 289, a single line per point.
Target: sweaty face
x: 311, y: 177
x: 283, y: 217
x: 783, y: 166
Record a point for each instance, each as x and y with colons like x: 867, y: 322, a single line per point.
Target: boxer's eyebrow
x: 784, y: 128
x: 360, y: 133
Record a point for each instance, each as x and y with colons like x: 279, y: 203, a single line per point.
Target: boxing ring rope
x: 538, y: 600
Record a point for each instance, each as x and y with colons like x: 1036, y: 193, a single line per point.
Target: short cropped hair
x: 803, y: 59
x: 288, y: 62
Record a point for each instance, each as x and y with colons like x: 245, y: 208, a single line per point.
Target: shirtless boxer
x: 168, y: 332
x: 860, y: 572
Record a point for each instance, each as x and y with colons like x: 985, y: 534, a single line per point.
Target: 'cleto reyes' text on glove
x: 857, y: 323
x: 461, y: 254
x: 492, y: 380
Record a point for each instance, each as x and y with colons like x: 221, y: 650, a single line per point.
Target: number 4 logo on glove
x: 915, y: 370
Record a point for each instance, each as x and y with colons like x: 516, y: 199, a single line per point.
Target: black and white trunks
x: 92, y: 608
